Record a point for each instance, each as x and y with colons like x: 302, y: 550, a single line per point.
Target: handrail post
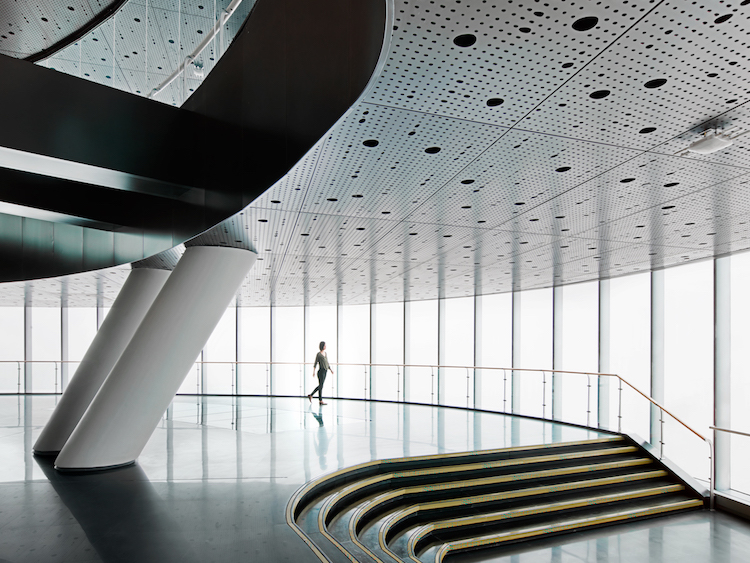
x: 19, y: 377
x: 505, y: 385
x: 661, y: 434
x: 56, y: 370
x: 231, y: 368
x: 544, y: 395
x: 712, y: 472
x: 432, y: 394
x: 588, y: 400
x: 467, y: 387
x: 398, y: 384
x: 619, y: 407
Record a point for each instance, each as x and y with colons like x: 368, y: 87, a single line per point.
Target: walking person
x: 321, y: 359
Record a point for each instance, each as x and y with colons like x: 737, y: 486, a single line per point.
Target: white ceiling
x: 550, y: 186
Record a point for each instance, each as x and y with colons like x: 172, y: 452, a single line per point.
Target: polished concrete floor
x: 213, y: 482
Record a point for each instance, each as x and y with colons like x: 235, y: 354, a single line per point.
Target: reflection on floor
x: 213, y: 482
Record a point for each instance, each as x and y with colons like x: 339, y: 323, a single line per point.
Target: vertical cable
x: 146, y: 90
x: 114, y: 47
x: 179, y: 38
x: 214, y: 39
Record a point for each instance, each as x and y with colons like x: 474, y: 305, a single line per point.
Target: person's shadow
x: 321, y: 439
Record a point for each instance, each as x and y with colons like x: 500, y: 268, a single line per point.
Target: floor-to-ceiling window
x: 46, y: 350
x: 533, y: 350
x: 254, y: 348
x: 354, y: 350
x: 219, y: 354
x: 579, y: 352
x: 630, y: 351
x: 320, y: 324
x: 421, y: 341
x: 388, y: 348
x: 459, y: 351
x: 688, y: 363
x: 496, y: 341
x: 740, y: 372
x: 11, y: 349
x: 288, y: 344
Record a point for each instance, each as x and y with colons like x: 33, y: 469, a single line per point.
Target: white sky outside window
x: 255, y: 346
x: 459, y: 351
x: 81, y: 331
x: 389, y: 349
x: 535, y: 351
x: 46, y: 348
x: 11, y: 348
x: 580, y: 352
x: 630, y: 350
x: 422, y: 341
x: 322, y: 326
x: 220, y: 349
x: 688, y: 385
x: 288, y: 335
x: 740, y: 372
x: 354, y: 348
x: 496, y: 349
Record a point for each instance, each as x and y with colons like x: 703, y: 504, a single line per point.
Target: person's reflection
x: 122, y: 515
x: 321, y: 439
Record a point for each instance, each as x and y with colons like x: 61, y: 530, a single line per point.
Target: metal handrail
x: 729, y: 431
x: 503, y: 369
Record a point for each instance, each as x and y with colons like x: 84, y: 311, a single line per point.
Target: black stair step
x: 437, y: 476
x: 598, y: 518
x: 322, y: 487
x: 417, y: 512
x: 487, y: 485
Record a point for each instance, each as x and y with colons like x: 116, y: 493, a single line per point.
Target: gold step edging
x: 573, y: 470
x: 550, y: 507
x: 498, y: 539
x: 467, y: 467
x: 400, y: 515
x: 300, y: 494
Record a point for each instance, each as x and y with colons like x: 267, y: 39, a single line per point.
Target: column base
x: 93, y: 469
x: 43, y: 453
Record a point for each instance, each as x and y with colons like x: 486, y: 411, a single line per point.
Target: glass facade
x: 482, y: 345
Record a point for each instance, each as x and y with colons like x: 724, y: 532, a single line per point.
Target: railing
x: 556, y: 395
x: 738, y: 479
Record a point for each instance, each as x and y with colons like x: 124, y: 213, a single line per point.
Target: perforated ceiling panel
x: 145, y: 41
x: 515, y: 145
x: 27, y: 28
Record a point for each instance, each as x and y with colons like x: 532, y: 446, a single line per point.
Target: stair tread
x: 604, y: 517
x: 359, y: 487
x: 380, y: 510
x: 549, y: 509
x: 395, y: 517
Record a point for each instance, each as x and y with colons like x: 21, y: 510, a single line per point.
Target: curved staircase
x: 422, y: 509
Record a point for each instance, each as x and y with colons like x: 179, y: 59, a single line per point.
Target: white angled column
x: 125, y: 412
x: 132, y: 304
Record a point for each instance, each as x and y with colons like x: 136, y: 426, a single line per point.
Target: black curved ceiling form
x: 91, y: 177
x: 34, y: 31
